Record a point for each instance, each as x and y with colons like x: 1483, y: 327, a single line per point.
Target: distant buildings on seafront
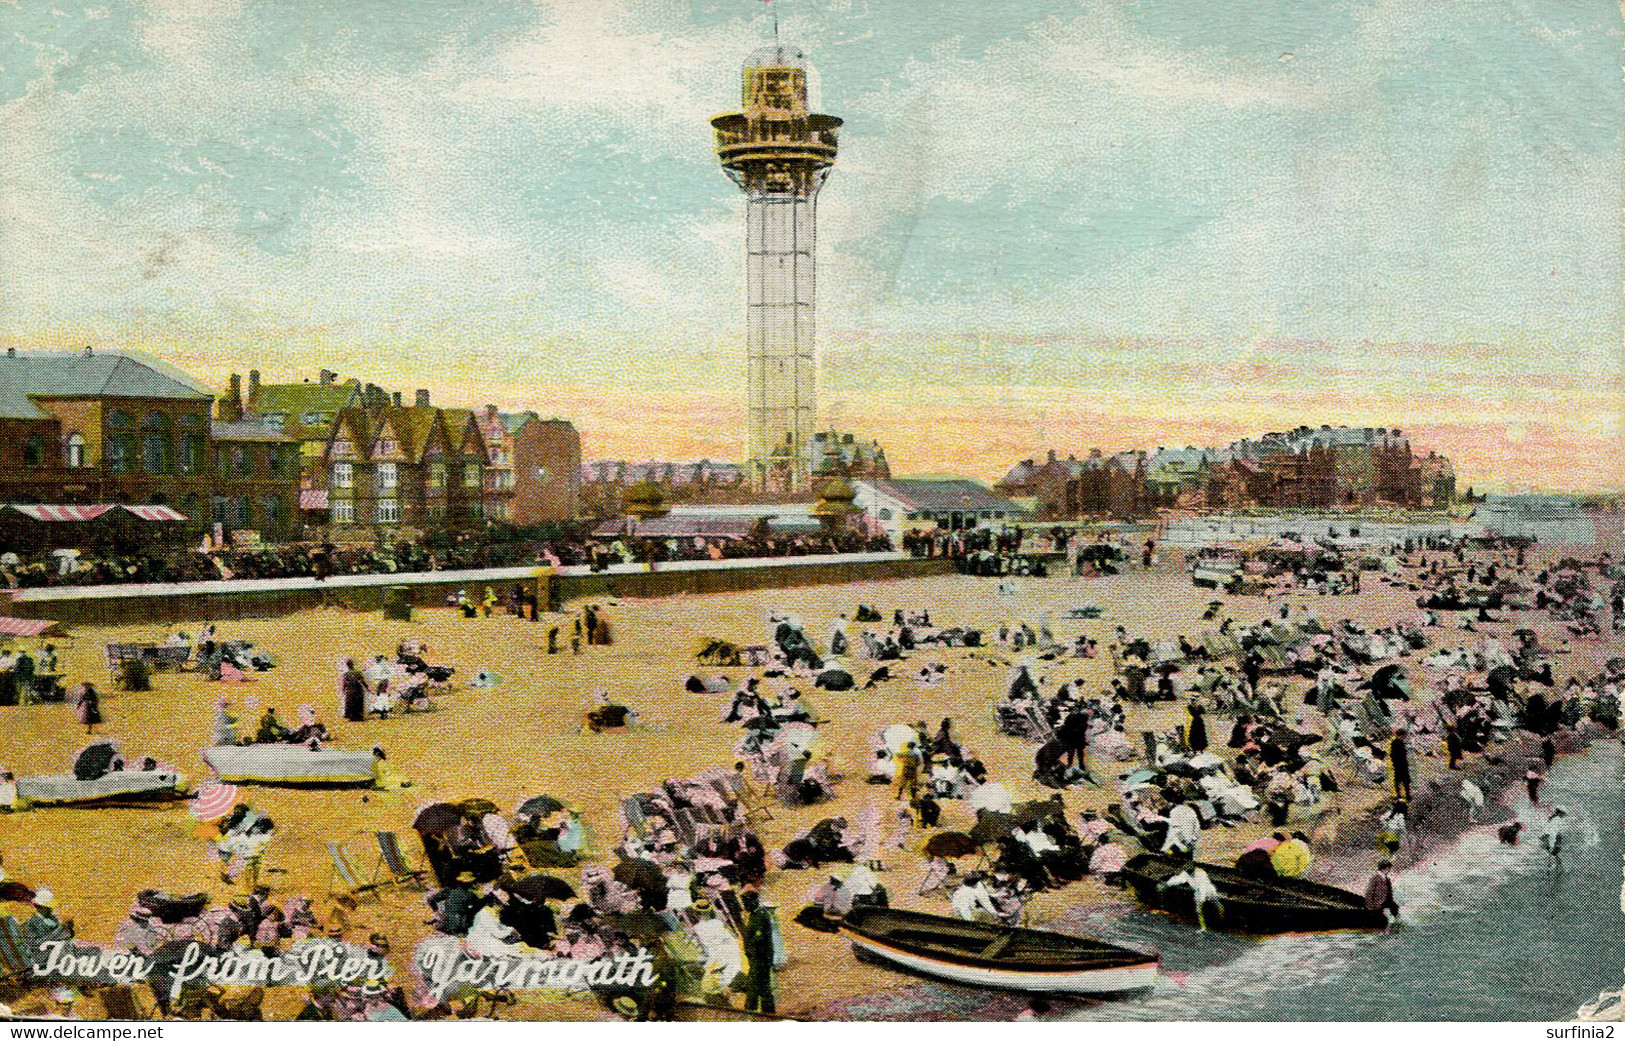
x: 830, y: 454
x: 1308, y: 467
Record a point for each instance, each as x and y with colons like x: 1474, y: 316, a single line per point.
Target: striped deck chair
x: 391, y: 858
x: 737, y: 786
x: 344, y: 880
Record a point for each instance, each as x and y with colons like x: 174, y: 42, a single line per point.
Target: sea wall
x: 554, y: 587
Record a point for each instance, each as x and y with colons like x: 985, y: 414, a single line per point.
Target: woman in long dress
x: 87, y: 705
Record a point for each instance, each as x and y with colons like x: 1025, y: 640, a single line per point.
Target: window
x: 343, y: 476
x: 389, y: 511
x: 343, y: 512
x: 217, y: 510
x: 471, y: 477
x: 34, y: 451
x: 309, y: 419
x: 116, y: 453
x: 271, y: 512
x: 191, y: 458
x: 191, y: 420
x: 282, y: 461
x: 276, y: 419
x: 76, y: 450
x: 154, y: 421
x: 885, y: 515
x: 388, y: 477
x: 118, y: 419
x: 157, y: 455
x: 437, y: 476
x: 437, y: 513
x: 242, y: 513
x: 242, y: 461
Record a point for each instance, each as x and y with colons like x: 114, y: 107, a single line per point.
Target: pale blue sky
x: 523, y: 193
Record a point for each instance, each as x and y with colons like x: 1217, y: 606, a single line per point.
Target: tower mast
x: 779, y: 152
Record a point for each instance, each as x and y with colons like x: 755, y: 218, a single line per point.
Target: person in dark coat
x: 1074, y: 735
x: 1399, y: 764
x: 1452, y: 746
x: 1379, y: 892
x: 457, y: 905
x: 758, y: 937
x: 353, y: 692
x: 1196, y: 732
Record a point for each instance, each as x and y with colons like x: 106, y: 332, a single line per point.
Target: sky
x: 1053, y: 223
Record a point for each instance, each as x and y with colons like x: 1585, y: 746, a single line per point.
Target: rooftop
x: 77, y: 374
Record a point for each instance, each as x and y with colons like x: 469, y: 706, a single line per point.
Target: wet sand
x: 525, y: 737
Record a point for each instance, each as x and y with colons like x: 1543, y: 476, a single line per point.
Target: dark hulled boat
x: 1003, y: 957
x: 1250, y: 905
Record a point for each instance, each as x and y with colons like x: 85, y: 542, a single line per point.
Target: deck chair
x: 14, y: 967
x: 737, y: 786
x: 347, y: 879
x: 391, y: 858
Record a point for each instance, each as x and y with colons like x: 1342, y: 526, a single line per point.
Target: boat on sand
x: 1003, y: 957
x: 1248, y: 904
x: 291, y: 765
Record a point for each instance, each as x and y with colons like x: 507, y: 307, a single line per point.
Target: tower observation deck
x: 778, y: 151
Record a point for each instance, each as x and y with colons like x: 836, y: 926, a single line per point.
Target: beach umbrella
x: 897, y: 735
x: 439, y: 817
x: 9, y: 558
x: 95, y: 760
x: 538, y: 887
x: 15, y: 892
x: 708, y: 865
x: 539, y: 806
x: 640, y: 874
x: 834, y: 679
x: 477, y: 807
x: 213, y: 801
x: 950, y: 845
x: 1138, y: 779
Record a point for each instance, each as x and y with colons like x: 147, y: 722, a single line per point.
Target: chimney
x: 253, y: 385
x: 11, y: 352
x: 87, y: 350
x: 422, y: 398
x: 231, y: 406
x: 328, y: 376
x: 490, y: 412
x: 1052, y: 455
x: 396, y: 399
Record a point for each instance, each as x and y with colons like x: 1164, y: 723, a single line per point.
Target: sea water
x: 1490, y: 932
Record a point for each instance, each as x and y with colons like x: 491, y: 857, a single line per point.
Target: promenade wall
x: 554, y: 587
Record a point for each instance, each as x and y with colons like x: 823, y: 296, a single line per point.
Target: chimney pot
x: 422, y: 398
x: 11, y: 352
x: 328, y: 376
x: 87, y: 350
x: 253, y: 382
x: 396, y: 398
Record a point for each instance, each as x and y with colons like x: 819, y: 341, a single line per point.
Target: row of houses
x: 369, y: 460
x: 1308, y: 467
x: 831, y: 454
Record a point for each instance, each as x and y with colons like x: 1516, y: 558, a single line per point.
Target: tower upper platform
x: 776, y: 143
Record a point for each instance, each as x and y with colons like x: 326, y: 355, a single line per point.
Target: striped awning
x: 156, y: 513
x: 24, y: 626
x: 313, y: 499
x: 60, y: 513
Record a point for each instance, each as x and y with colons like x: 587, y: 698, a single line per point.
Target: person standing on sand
x: 589, y: 618
x: 353, y: 692
x: 1399, y: 758
x: 759, y: 955
x: 1196, y: 728
x: 1452, y: 746
x: 88, y: 707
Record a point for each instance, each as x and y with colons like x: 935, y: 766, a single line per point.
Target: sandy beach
x: 525, y: 737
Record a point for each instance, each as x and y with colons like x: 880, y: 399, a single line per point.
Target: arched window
x: 76, y: 450
x: 118, y: 419
x: 155, y: 421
